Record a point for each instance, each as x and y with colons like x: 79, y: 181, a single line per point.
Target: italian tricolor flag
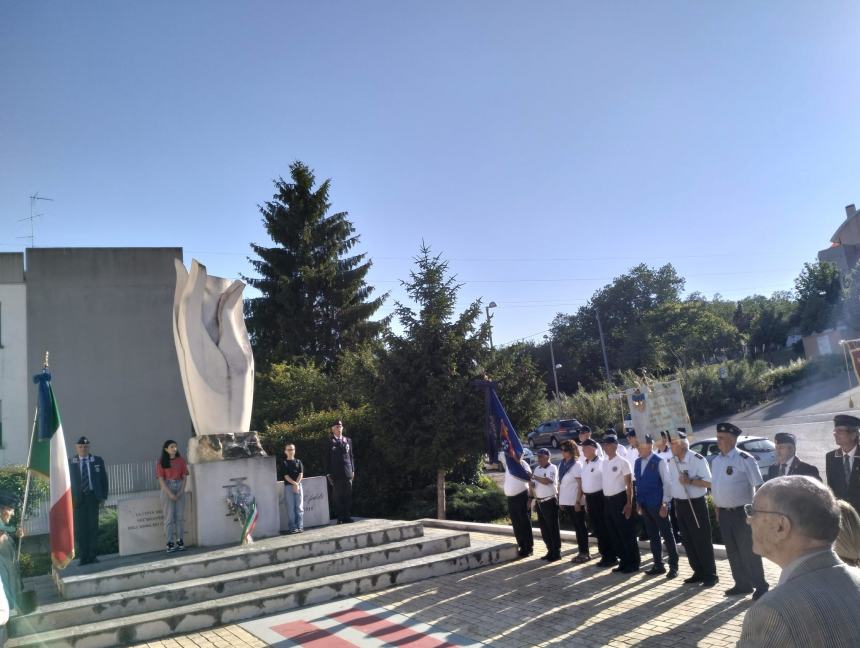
x: 48, y: 458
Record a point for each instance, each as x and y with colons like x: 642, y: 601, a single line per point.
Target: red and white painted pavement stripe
x: 350, y: 623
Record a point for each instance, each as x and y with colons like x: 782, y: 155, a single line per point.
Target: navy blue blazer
x: 99, y: 478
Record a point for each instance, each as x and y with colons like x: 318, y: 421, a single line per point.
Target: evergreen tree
x: 431, y: 417
x: 315, y: 301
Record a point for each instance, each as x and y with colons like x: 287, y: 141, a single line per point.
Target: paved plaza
x: 517, y: 604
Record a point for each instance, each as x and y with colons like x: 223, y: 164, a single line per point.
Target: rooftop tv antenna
x: 32, y: 217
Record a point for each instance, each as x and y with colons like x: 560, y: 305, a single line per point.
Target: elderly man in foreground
x: 794, y: 522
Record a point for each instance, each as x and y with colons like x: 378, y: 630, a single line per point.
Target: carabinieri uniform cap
x: 584, y: 428
x: 631, y: 433
x: 846, y: 420
x: 83, y: 441
x: 729, y: 428
x: 785, y: 437
x: 609, y: 438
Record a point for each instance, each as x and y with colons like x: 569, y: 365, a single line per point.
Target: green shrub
x: 13, y: 480
x: 108, y: 535
x: 35, y: 564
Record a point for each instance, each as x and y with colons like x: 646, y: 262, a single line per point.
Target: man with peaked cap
x: 618, y: 495
x: 584, y: 435
x: 735, y: 478
x: 690, y: 479
x: 89, y: 486
x: 595, y: 502
x: 340, y: 470
x: 545, y: 479
x: 842, y: 466
x: 787, y: 462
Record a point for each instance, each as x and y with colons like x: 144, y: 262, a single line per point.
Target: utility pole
x: 602, y: 344
x: 554, y: 374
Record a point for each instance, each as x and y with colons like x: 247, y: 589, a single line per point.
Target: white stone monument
x: 141, y: 524
x: 217, y: 369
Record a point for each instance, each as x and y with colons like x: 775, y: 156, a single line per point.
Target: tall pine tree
x: 315, y: 301
x: 431, y: 416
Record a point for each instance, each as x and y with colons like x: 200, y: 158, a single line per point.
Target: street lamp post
x: 492, y: 304
x: 554, y: 374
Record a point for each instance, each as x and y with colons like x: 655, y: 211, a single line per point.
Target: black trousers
x: 549, y: 529
x: 341, y: 496
x: 87, y: 525
x: 747, y: 569
x: 579, y: 527
x: 656, y: 527
x: 697, y: 539
x: 521, y: 520
x: 622, y: 532
x: 596, y: 504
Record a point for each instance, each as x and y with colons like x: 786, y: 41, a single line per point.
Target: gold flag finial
x: 46, y: 359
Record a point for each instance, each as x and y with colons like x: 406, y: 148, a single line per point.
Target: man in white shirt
x: 592, y: 488
x: 517, y: 493
x: 690, y: 478
x: 618, y: 493
x: 545, y: 479
x: 570, y: 497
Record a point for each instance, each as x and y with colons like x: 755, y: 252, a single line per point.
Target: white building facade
x: 15, y: 421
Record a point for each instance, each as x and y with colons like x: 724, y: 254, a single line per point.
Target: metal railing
x: 126, y: 481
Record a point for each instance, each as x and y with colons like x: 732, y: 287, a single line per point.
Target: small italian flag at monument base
x: 49, y: 459
x: 250, y: 523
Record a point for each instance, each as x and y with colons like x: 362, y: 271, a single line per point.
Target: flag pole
x: 27, y: 482
x: 29, y: 472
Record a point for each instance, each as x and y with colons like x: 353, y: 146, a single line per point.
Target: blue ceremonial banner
x: 500, y: 424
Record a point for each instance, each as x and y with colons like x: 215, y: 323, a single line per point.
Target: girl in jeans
x: 172, y: 471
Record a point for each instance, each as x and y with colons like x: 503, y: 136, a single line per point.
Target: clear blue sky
x: 543, y: 148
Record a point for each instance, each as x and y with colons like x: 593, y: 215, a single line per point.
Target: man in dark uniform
x: 340, y: 471
x: 787, y: 462
x: 842, y: 466
x: 89, y: 491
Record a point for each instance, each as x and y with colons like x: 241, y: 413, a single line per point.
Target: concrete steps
x: 189, y: 605
x: 105, y: 578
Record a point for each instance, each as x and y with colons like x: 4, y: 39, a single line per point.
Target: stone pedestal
x: 140, y: 523
x: 211, y: 482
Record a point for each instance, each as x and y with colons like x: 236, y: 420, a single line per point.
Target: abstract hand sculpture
x: 214, y: 351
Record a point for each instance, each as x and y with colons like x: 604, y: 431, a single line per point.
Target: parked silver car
x: 761, y: 448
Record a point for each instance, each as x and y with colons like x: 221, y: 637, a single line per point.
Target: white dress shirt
x: 696, y: 467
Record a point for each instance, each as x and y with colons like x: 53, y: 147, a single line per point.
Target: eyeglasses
x: 750, y: 511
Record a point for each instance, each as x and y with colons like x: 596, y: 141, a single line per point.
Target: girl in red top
x: 172, y: 471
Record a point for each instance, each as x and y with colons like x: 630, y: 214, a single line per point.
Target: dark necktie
x: 783, y: 469
x: 85, y: 476
x: 846, y: 462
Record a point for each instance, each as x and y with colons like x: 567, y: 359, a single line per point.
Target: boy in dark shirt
x: 291, y: 472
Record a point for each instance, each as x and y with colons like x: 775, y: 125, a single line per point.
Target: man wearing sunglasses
x: 794, y: 522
